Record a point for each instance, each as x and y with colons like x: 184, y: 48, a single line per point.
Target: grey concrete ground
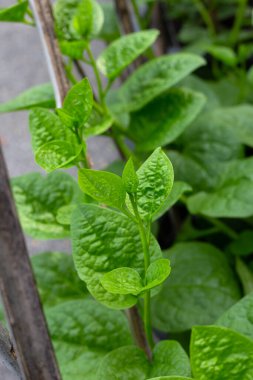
x: 22, y: 65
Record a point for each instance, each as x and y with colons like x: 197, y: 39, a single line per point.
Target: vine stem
x: 97, y: 75
x: 238, y: 21
x: 205, y: 16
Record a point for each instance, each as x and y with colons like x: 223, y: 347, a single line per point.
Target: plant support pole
x: 20, y: 295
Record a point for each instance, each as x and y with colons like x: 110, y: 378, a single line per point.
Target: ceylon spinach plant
x: 116, y: 218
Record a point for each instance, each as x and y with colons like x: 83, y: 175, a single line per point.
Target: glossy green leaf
x: 130, y: 178
x: 239, y: 317
x: 73, y: 49
x: 178, y: 189
x: 56, y: 278
x: 155, y: 183
x: 152, y: 79
x: 125, y: 363
x: 102, y: 186
x: 103, y: 240
x: 78, y: 102
x: 169, y: 358
x: 39, y: 197
x: 232, y: 196
x: 57, y: 154
x: 200, y: 288
x: 223, y: 54
x: 122, y: 281
x: 83, y: 332
x: 123, y: 51
x: 45, y: 127
x: 157, y: 273
x: 15, y: 13
x: 38, y: 96
x: 165, y: 118
x: 88, y: 19
x: 218, y: 353
x: 64, y: 11
x: 97, y: 124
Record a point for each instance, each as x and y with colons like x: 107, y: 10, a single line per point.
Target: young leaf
x: 88, y: 19
x: 127, y: 363
x: 219, y: 353
x: 73, y: 49
x: 38, y: 96
x: 120, y: 53
x: 223, y: 54
x: 239, y: 317
x: 103, y: 240
x: 83, y: 332
x: 97, y: 124
x: 152, y: 79
x: 200, y: 288
x: 157, y: 273
x: 64, y: 11
x: 122, y: 281
x: 102, y: 186
x: 129, y: 177
x: 155, y: 183
x: 177, y: 191
x: 165, y: 118
x: 57, y: 279
x: 169, y: 358
x: 78, y: 102
x: 15, y: 13
x: 38, y: 199
x: 57, y: 154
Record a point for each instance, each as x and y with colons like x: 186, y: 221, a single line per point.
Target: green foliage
x: 38, y: 96
x: 200, y: 288
x: 223, y: 54
x: 122, y: 281
x: 15, y: 13
x: 157, y: 273
x: 119, y: 54
x: 130, y: 178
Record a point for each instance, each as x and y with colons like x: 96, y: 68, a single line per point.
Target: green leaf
x: 178, y: 189
x: 200, y: 288
x: 165, y: 118
x: 223, y: 54
x: 73, y: 49
x: 110, y: 29
x: 57, y: 154
x: 102, y: 186
x: 15, y: 13
x: 243, y: 244
x: 170, y: 378
x: 169, y: 358
x: 83, y: 332
x: 123, y: 51
x: 155, y: 183
x: 103, y: 240
x: 88, y: 19
x: 38, y: 96
x: 239, y: 317
x: 152, y: 79
x: 232, y: 196
x: 56, y: 278
x: 64, y: 11
x: 46, y: 127
x: 125, y: 363
x: 97, y: 124
x: 64, y: 214
x: 130, y: 178
x: 218, y: 353
x: 39, y: 197
x: 78, y: 102
x: 157, y: 273
x: 122, y: 281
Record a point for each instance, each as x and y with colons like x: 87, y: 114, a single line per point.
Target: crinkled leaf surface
x: 157, y: 273
x: 130, y: 178
x: 64, y: 11
x: 39, y: 197
x: 169, y: 358
x: 123, y: 51
x: 97, y: 124
x: 152, y: 79
x: 122, y: 281
x: 103, y: 186
x: 218, y: 353
x: 83, y: 332
x: 104, y: 240
x: 15, y: 13
x: 155, y: 183
x: 232, y: 196
x: 239, y: 317
x: 57, y: 154
x: 56, y: 278
x: 125, y: 363
x: 178, y: 189
x: 165, y: 118
x: 200, y: 288
x: 38, y: 96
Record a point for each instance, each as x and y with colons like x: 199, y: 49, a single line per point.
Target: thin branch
x: 20, y: 295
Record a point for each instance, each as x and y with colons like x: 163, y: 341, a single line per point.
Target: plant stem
x: 238, y: 21
x: 205, y: 16
x: 222, y: 227
x: 145, y: 246
x: 97, y: 75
